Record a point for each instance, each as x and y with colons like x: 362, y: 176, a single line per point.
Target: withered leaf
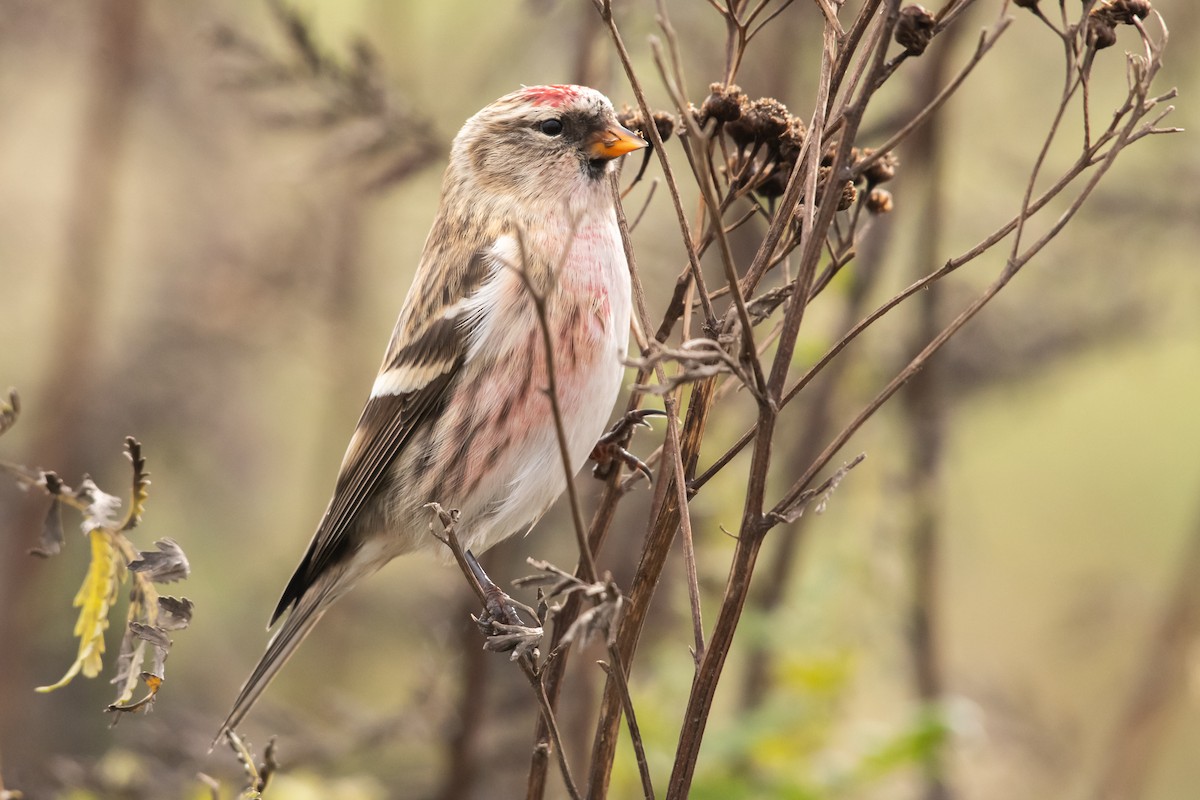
x: 51, y: 542
x: 174, y: 613
x: 158, y: 639
x: 167, y: 565
x: 141, y: 482
x: 129, y: 662
x: 153, y: 683
x: 151, y: 633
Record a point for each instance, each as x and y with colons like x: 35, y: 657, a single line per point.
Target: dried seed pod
x: 849, y: 195
x: 879, y: 201
x: 883, y: 170
x: 630, y: 117
x: 763, y: 121
x: 771, y: 118
x: 724, y: 103
x: 1101, y: 31
x: 822, y: 181
x: 1122, y: 12
x: 792, y: 140
x: 914, y: 29
x: 665, y: 123
x: 831, y: 153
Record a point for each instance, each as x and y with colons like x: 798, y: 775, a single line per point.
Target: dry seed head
x: 883, y: 170
x: 792, y: 140
x: 1121, y: 12
x: 1101, y: 31
x: 879, y: 201
x: 831, y: 153
x: 632, y: 118
x: 665, y: 123
x: 724, y: 103
x: 763, y: 121
x: 849, y: 195
x: 846, y: 196
x: 914, y: 30
x: 771, y: 118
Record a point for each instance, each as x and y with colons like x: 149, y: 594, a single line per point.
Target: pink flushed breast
x: 510, y: 404
x: 555, y: 95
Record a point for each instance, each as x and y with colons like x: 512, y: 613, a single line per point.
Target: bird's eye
x: 551, y: 127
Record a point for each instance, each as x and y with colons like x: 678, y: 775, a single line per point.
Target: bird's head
x: 546, y: 143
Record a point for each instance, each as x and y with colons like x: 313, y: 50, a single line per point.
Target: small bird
x: 458, y: 413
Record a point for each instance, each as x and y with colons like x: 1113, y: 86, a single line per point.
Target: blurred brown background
x: 204, y: 243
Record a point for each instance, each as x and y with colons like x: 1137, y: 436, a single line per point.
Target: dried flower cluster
x: 763, y: 141
x: 1106, y: 15
x: 915, y: 29
x: 631, y: 118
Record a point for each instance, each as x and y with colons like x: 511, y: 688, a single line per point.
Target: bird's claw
x: 610, y: 450
x: 500, y: 620
x: 517, y: 639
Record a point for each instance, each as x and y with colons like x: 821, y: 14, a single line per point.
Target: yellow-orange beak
x: 614, y: 141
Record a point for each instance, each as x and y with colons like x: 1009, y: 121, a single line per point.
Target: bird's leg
x: 610, y: 451
x: 500, y: 621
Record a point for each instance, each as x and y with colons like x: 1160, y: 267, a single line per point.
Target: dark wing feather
x: 387, y: 424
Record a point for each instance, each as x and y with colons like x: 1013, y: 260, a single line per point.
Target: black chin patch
x: 596, y: 168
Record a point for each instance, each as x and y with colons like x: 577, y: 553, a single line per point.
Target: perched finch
x: 459, y: 412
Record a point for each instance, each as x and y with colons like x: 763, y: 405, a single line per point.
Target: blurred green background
x: 209, y: 255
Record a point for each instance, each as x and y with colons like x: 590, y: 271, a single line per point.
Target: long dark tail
x: 307, y: 611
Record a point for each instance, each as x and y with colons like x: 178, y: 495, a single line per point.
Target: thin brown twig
x: 754, y: 525
x: 708, y: 191
x: 1010, y: 270
x: 1085, y: 161
x: 605, y: 9
x: 616, y: 673
x: 449, y: 537
x: 987, y: 40
x: 689, y: 545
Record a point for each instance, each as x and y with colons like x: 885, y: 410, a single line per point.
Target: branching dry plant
x: 808, y: 187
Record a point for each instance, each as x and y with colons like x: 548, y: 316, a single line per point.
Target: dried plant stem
x: 708, y: 191
x: 449, y: 537
x: 751, y: 530
x: 817, y: 428
x: 697, y: 274
x: 657, y: 547
x: 616, y: 674
x: 1088, y: 159
x: 918, y: 362
x: 987, y: 39
x: 554, y: 669
x: 689, y: 546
